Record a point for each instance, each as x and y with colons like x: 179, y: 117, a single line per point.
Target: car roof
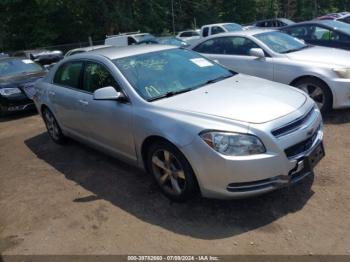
x: 218, y: 24
x: 120, y: 52
x: 89, y: 48
x: 329, y: 23
x: 248, y: 32
x: 189, y: 30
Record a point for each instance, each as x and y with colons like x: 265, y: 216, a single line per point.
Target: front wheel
x: 52, y: 126
x: 318, y: 91
x: 172, y: 171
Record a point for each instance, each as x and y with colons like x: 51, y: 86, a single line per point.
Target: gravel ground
x: 74, y: 200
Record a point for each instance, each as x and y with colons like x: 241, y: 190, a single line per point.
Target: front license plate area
x: 315, y: 156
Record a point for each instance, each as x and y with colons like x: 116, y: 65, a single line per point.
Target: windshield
x: 339, y: 25
x: 232, y: 27
x: 11, y: 67
x: 164, y: 73
x: 280, y: 42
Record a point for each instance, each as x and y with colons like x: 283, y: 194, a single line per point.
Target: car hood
x: 22, y: 78
x: 241, y: 98
x: 18, y: 80
x: 322, y: 55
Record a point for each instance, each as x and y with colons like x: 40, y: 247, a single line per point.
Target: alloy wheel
x: 315, y: 92
x: 52, y: 126
x: 169, y: 172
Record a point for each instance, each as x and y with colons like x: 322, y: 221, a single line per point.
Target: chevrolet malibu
x: 194, y: 125
x: 322, y: 72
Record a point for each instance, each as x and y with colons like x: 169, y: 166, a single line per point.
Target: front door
x: 109, y: 122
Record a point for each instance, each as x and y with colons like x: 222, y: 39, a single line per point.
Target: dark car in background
x: 341, y: 17
x: 17, y: 78
x: 270, y: 23
x: 329, y: 33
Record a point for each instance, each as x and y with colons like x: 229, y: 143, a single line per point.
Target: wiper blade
x: 170, y: 94
x: 296, y: 49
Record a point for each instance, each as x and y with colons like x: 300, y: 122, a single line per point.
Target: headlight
x: 9, y: 91
x: 233, y: 144
x: 342, y: 72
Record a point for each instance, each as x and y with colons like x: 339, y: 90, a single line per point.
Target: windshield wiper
x: 170, y: 94
x: 173, y: 93
x: 211, y: 81
x: 296, y: 49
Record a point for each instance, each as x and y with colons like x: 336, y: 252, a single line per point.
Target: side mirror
x: 257, y: 52
x: 108, y: 93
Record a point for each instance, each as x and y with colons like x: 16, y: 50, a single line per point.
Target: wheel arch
x: 292, y: 83
x: 147, y: 143
x: 43, y: 107
x: 154, y: 138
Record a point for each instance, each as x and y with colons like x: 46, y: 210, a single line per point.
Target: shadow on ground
x: 17, y: 115
x: 341, y: 116
x: 135, y: 192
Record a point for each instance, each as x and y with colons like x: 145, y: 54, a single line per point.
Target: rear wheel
x: 52, y: 126
x: 172, y: 171
x: 318, y: 91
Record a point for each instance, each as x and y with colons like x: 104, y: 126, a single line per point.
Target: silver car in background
x: 191, y: 123
x: 323, y: 73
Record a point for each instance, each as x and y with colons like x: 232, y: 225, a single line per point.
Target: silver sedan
x: 191, y: 123
x: 323, y: 73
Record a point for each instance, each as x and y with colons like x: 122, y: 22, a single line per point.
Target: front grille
x: 290, y: 127
x: 302, y: 146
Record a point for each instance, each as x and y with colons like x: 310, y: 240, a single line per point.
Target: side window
x: 323, y: 34
x: 97, y: 76
x: 346, y: 20
x: 205, y: 31
x: 216, y: 30
x: 270, y: 23
x: 186, y: 34
x: 343, y: 37
x: 239, y: 46
x: 298, y: 32
x: 212, y: 46
x: 131, y: 41
x: 69, y: 74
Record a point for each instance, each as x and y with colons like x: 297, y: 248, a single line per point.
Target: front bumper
x: 227, y: 177
x: 15, y: 104
x: 341, y: 92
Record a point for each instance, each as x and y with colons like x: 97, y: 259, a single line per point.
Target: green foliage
x: 34, y: 23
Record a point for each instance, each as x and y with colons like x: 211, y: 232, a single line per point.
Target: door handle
x: 83, y: 102
x: 52, y: 93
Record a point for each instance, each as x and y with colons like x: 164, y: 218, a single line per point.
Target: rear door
x: 233, y: 52
x: 64, y: 95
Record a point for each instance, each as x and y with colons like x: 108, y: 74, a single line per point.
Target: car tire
x: 318, y: 91
x: 53, y: 127
x: 172, y: 172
